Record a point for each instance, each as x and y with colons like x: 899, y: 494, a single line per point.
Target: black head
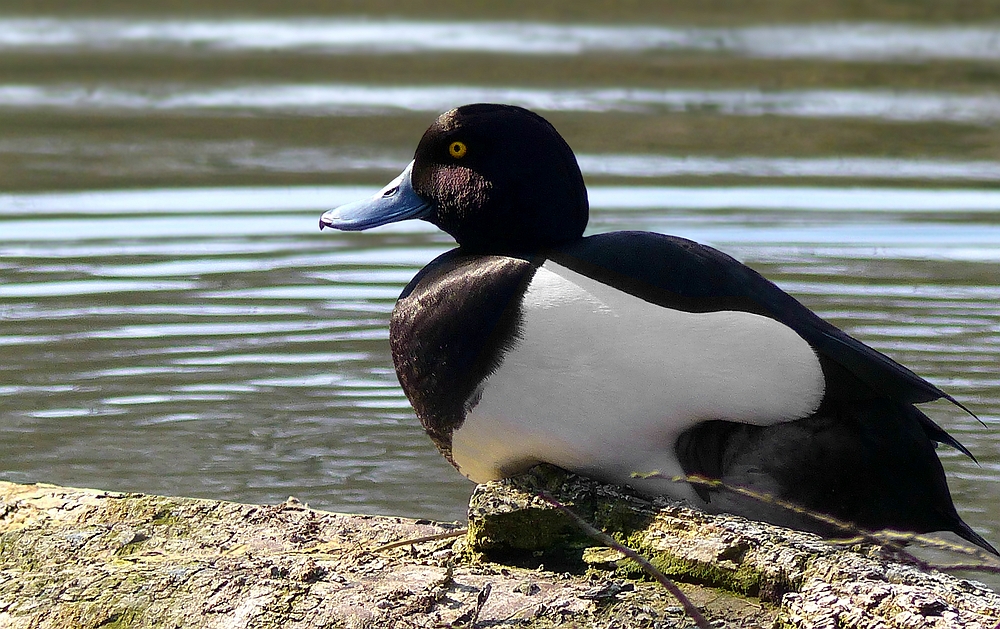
x: 498, y: 178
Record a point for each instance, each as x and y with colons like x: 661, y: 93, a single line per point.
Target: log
x: 88, y: 558
x: 810, y: 581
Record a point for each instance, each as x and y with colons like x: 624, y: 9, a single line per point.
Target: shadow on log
x: 85, y: 558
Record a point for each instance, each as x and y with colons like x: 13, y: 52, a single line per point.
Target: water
x: 350, y: 35
x: 172, y: 321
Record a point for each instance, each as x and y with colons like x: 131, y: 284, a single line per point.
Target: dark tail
x: 871, y: 463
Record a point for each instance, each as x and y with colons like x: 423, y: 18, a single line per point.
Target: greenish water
x: 172, y: 321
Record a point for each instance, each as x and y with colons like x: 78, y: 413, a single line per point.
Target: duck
x: 637, y: 358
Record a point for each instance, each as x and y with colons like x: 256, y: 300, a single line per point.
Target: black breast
x: 449, y: 331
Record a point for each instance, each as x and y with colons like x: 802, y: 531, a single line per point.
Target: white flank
x: 604, y: 382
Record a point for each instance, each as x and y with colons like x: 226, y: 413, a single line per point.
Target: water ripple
x: 204, y: 157
x: 842, y: 41
x: 89, y: 287
x: 293, y: 200
x: 370, y: 100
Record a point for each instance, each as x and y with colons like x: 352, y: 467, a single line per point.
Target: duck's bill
x: 395, y: 202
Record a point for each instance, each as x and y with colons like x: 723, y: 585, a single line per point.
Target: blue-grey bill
x: 395, y: 202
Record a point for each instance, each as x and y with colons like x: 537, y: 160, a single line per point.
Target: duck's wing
x: 684, y: 275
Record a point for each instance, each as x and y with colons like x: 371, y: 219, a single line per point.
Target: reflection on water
x: 827, y: 167
x: 209, y: 202
x: 369, y: 100
x: 172, y: 320
x: 870, y: 41
x: 57, y: 155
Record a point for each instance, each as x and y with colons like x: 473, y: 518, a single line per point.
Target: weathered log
x: 813, y: 582
x: 85, y: 558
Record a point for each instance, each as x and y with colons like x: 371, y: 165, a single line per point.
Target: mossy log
x: 811, y: 582
x: 85, y: 558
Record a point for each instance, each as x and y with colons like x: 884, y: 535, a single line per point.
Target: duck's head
x: 495, y: 177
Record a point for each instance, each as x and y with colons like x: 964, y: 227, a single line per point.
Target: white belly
x: 603, y: 383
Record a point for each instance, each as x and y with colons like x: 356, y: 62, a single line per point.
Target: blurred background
x: 172, y: 321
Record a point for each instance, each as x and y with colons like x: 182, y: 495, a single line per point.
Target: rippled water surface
x: 172, y: 321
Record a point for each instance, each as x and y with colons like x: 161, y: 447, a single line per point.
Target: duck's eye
x: 457, y: 149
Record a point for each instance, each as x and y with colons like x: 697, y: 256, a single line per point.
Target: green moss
x: 100, y: 614
x: 742, y: 579
x: 121, y: 619
x: 525, y: 531
x: 134, y: 508
x: 541, y: 529
x: 18, y: 549
x: 620, y: 519
x: 166, y: 517
x: 133, y: 545
x: 532, y: 532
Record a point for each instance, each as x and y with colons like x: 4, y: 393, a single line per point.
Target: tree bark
x: 86, y: 558
x: 811, y: 582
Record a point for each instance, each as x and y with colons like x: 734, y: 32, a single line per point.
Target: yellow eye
x: 457, y: 150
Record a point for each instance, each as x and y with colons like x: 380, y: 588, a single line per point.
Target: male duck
x: 635, y: 352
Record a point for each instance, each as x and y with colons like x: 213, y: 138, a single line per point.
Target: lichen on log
x: 812, y: 582
x: 85, y: 558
